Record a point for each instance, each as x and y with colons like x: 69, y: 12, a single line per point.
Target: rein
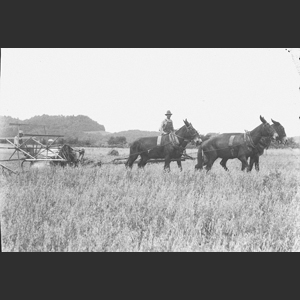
x: 248, y: 133
x: 186, y: 140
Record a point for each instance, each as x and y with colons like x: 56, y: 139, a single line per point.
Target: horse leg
x: 131, y: 160
x: 211, y: 157
x: 143, y: 161
x: 223, y: 164
x: 257, y: 163
x: 206, y: 160
x: 210, y: 163
x: 199, y: 164
x: 244, y: 162
x: 167, y: 163
x: 179, y: 164
x: 252, y: 160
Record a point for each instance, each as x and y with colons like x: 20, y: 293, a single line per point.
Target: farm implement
x: 44, y: 149
x: 31, y: 149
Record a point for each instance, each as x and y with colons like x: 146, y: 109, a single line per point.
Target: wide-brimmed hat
x: 168, y: 113
x: 20, y: 131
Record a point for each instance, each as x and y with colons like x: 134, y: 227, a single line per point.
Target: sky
x: 216, y: 89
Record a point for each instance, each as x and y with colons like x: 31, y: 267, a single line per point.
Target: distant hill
x: 75, y: 129
x: 70, y: 126
x: 132, y: 135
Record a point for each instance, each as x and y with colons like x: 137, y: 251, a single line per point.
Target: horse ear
x: 276, y: 123
x: 263, y: 119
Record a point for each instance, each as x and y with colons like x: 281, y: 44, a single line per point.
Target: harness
x: 231, y: 140
x: 248, y: 137
x: 231, y: 144
x: 173, y: 139
x: 247, y: 140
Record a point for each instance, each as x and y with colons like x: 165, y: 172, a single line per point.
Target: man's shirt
x: 166, y: 126
x: 18, y: 140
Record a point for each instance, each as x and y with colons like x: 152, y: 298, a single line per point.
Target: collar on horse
x: 248, y: 139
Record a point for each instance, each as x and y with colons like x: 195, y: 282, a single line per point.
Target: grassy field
x: 110, y: 208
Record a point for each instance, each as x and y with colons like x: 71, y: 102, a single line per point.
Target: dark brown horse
x: 171, y: 146
x: 264, y: 143
x: 232, y: 145
x: 70, y: 155
x: 255, y: 152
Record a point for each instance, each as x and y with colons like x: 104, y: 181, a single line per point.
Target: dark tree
x: 117, y: 140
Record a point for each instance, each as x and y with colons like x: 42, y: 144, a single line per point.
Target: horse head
x: 191, y: 133
x: 267, y: 129
x: 280, y: 130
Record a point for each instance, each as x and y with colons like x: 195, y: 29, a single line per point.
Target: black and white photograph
x: 150, y: 149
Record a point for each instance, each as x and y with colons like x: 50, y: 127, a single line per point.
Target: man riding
x: 167, y: 124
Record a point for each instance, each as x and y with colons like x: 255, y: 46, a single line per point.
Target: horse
x: 232, y: 145
x: 70, y: 155
x: 258, y: 150
x: 264, y: 143
x: 171, y: 147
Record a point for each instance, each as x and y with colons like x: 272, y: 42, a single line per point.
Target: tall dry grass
x: 109, y: 208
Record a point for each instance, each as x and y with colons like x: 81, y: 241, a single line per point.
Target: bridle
x: 270, y: 134
x: 281, y: 133
x: 189, y: 129
x: 192, y: 136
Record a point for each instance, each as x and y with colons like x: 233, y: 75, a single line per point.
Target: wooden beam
x: 52, y: 135
x: 45, y: 159
x: 7, y: 168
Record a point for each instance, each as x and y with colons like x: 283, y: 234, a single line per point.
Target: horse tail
x: 134, y: 151
x: 135, y: 147
x: 200, y: 158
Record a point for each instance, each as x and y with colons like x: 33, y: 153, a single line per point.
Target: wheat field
x: 112, y: 209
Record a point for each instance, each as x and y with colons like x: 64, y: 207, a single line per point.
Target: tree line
x: 82, y: 131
